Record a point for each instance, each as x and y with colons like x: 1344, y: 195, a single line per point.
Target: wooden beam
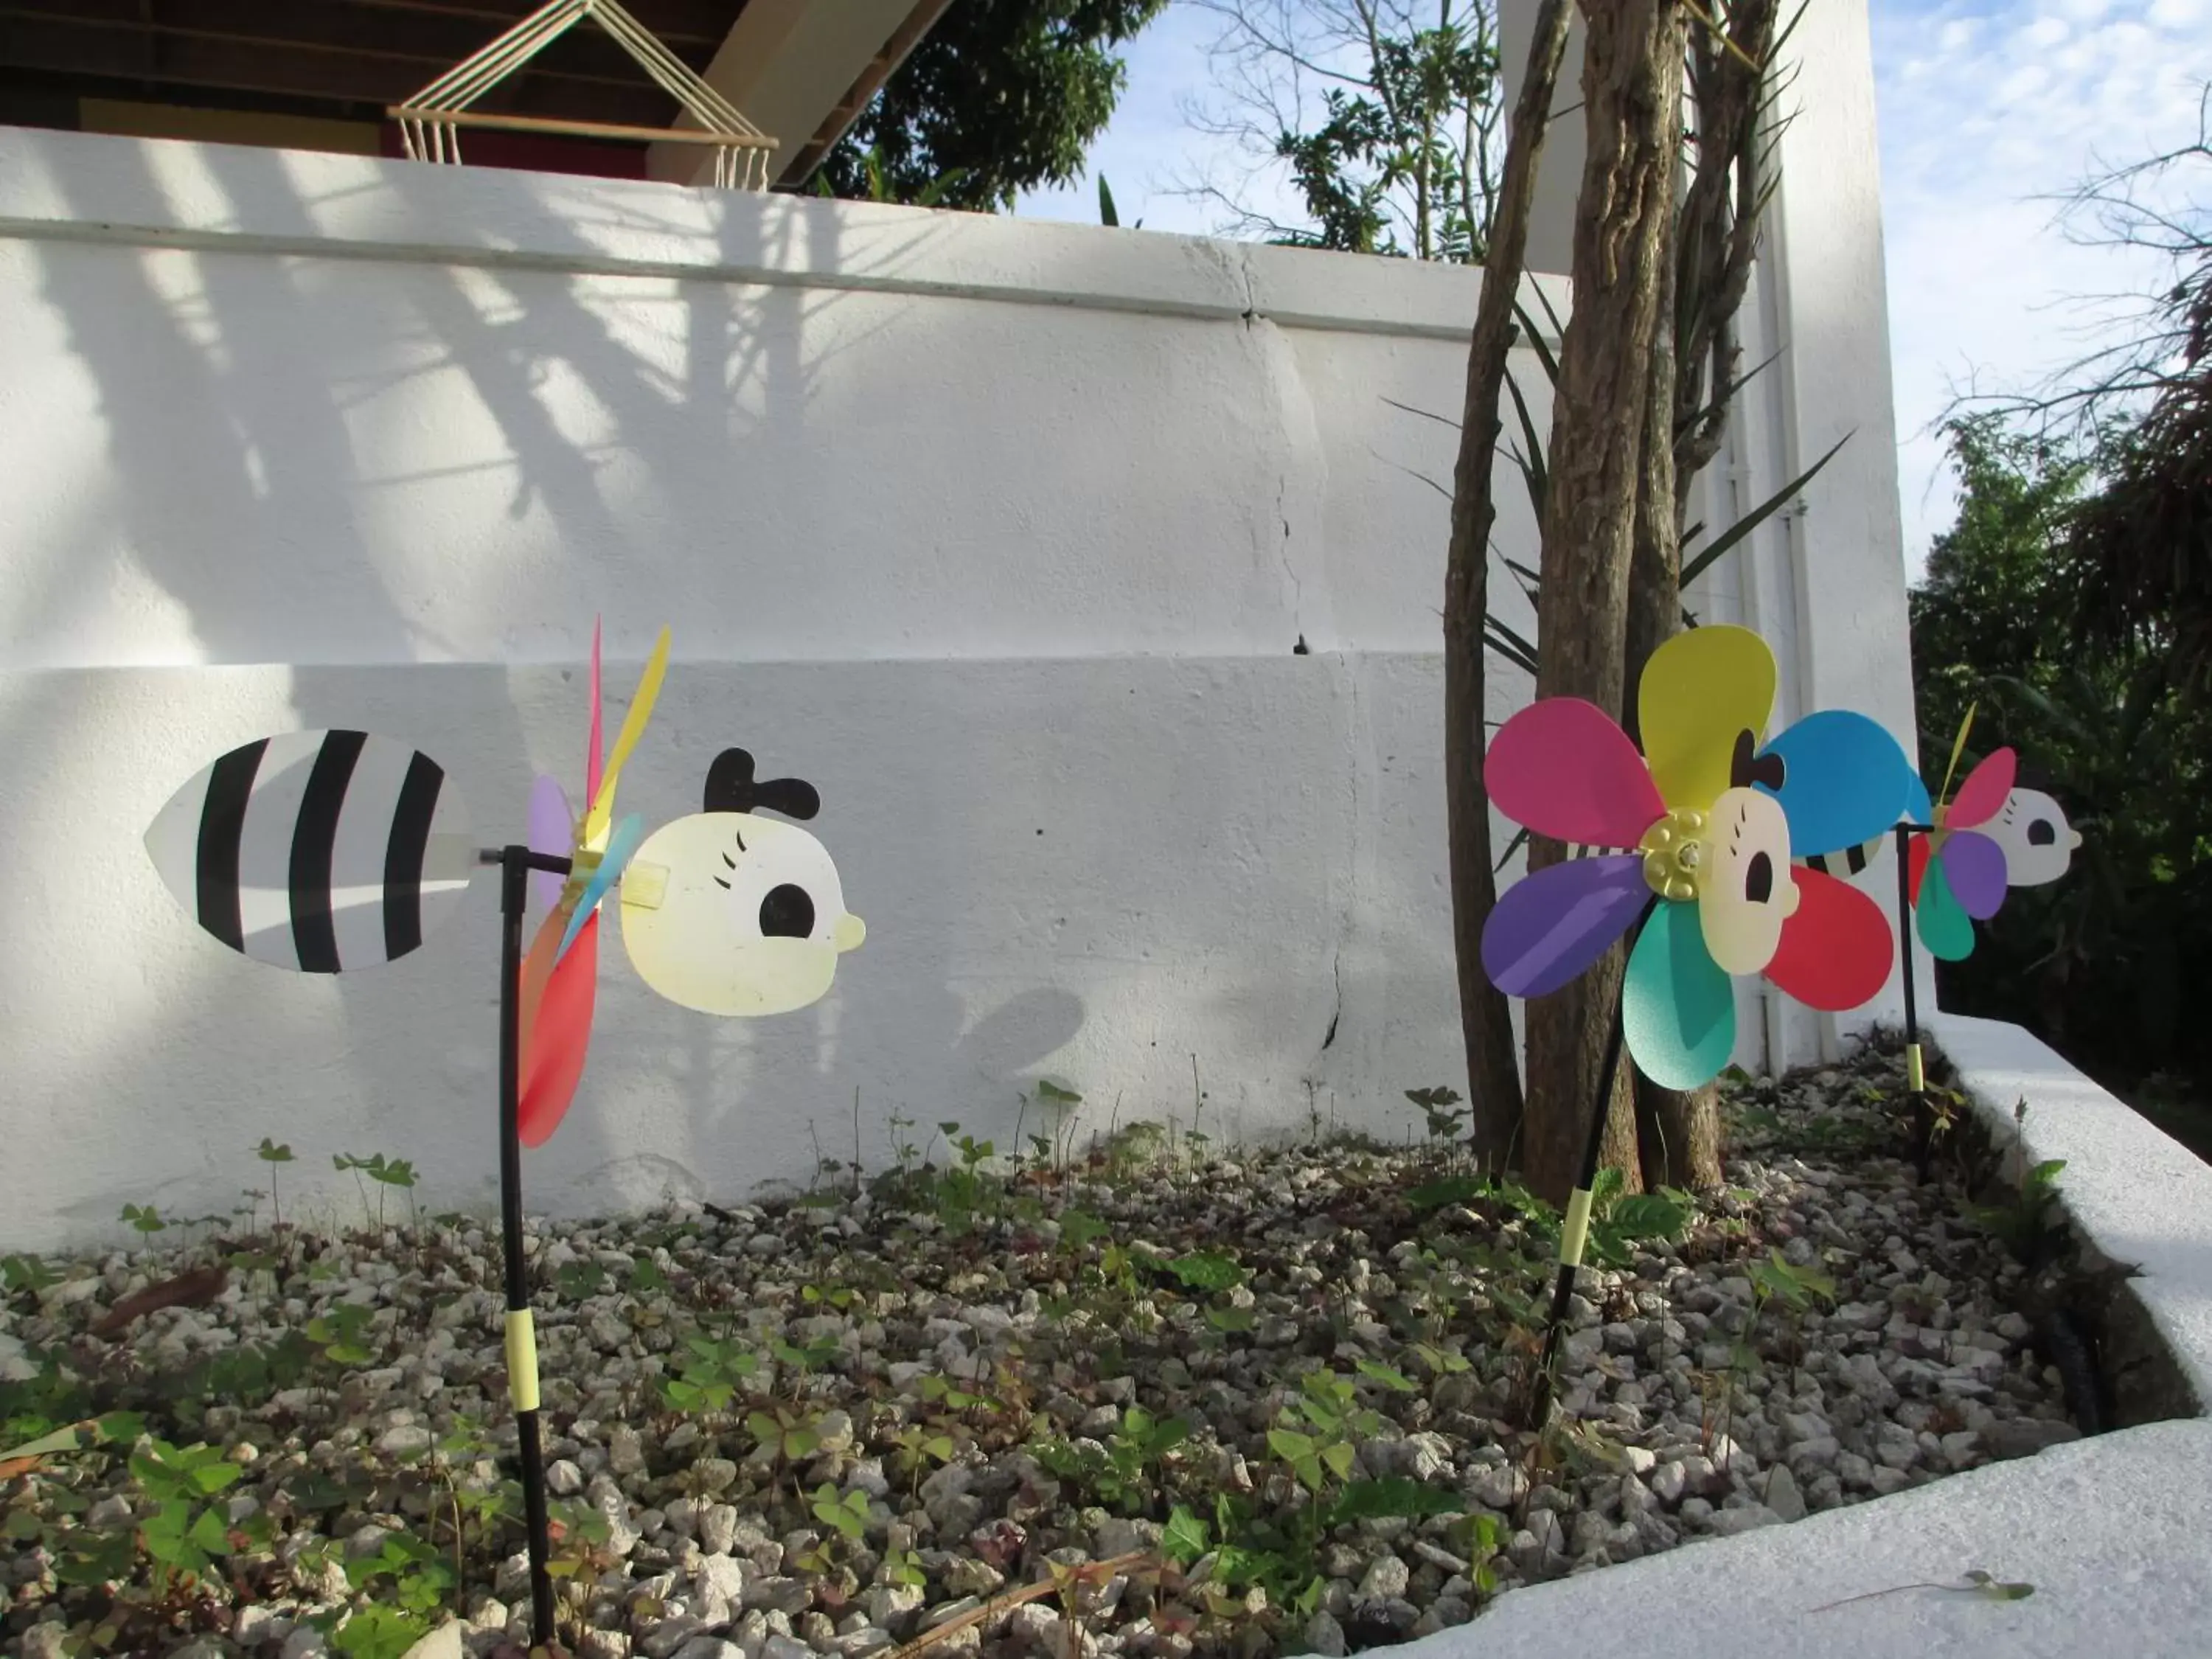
x: 847, y: 109
x: 276, y: 70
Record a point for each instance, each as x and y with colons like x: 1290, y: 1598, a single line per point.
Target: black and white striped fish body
x: 1842, y: 866
x: 318, y: 851
x: 1851, y: 860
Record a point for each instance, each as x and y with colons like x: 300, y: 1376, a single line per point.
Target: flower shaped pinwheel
x: 1714, y: 820
x: 559, y: 975
x: 1988, y: 837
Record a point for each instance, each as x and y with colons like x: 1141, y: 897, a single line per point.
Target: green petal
x: 1945, y: 927
x: 1678, y: 1009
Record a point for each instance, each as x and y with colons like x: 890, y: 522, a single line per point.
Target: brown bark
x: 1631, y: 101
x: 1679, y: 1130
x: 1495, y: 1084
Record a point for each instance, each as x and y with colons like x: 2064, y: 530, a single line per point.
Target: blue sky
x: 1986, y: 110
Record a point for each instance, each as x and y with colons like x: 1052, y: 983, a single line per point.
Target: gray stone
x: 2024, y: 1436
x: 443, y: 1643
x: 1782, y: 1496
x: 1386, y: 1577
x: 563, y: 1479
x: 789, y: 1597
x: 1324, y: 1636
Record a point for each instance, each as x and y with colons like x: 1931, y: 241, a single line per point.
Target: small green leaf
x: 1207, y: 1270
x: 1183, y: 1539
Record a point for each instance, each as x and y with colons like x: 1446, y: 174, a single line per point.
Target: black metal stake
x: 1575, y: 1224
x: 1916, y: 1082
x: 515, y: 865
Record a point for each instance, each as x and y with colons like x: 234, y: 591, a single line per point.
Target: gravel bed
x: 1263, y: 1405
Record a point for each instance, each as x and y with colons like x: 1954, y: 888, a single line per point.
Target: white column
x: 1552, y: 214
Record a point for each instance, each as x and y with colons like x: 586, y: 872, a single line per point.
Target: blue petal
x: 1918, y: 807
x: 1845, y: 781
x: 620, y: 845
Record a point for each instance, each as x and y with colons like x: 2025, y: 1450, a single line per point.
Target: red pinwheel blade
x: 553, y: 1054
x: 1563, y: 768
x: 1982, y: 796
x: 1837, y: 950
x: 1916, y: 866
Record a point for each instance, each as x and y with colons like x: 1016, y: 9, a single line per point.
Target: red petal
x: 1564, y: 768
x: 1982, y: 796
x: 1916, y: 864
x: 554, y: 1044
x: 1837, y: 950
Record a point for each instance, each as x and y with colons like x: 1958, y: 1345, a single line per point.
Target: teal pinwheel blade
x: 1677, y: 1007
x: 621, y: 841
x: 1945, y: 927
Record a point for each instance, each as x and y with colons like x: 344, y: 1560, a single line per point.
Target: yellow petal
x: 1699, y: 690
x: 633, y: 727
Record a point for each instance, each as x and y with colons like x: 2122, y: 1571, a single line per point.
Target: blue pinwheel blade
x: 1677, y: 1007
x: 1844, y: 780
x: 621, y: 843
x: 1919, y: 809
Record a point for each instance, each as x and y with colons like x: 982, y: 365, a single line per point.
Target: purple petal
x: 1975, y: 867
x: 1552, y: 926
x: 552, y: 831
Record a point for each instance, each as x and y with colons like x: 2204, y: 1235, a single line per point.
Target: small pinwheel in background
x: 1715, y: 820
x: 560, y: 975
x: 1990, y: 836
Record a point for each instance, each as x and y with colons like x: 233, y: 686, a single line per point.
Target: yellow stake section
x: 1915, y: 1079
x: 1575, y: 1230
x: 522, y: 1360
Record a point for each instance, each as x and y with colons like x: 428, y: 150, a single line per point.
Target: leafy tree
x: 2097, y: 963
x: 999, y: 97
x: 1397, y: 154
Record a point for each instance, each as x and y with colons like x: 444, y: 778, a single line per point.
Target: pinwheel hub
x: 1673, y: 848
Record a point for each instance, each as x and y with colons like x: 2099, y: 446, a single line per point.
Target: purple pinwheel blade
x: 1550, y: 927
x: 553, y: 832
x: 1975, y: 867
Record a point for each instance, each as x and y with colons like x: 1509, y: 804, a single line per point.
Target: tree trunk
x: 1679, y: 1130
x: 1632, y: 99
x: 1494, y: 1084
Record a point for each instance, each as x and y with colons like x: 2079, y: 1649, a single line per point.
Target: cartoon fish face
x: 2038, y: 842
x: 733, y: 914
x: 1745, y: 889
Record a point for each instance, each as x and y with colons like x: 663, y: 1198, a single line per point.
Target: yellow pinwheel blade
x: 1958, y: 748
x: 633, y: 727
x: 1699, y: 690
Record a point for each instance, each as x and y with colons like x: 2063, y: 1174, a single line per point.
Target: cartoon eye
x: 2042, y: 833
x: 1759, y: 879
x: 786, y: 913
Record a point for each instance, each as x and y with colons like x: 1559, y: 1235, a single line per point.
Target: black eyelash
x: 718, y: 882
x: 729, y: 861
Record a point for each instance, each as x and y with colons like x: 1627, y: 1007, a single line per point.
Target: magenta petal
x: 552, y: 831
x: 1550, y: 927
x: 1564, y: 768
x: 1975, y: 867
x: 1982, y: 796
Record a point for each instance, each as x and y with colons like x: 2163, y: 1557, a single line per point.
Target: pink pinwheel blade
x: 592, y: 752
x: 553, y: 831
x: 1563, y: 768
x: 1550, y: 927
x: 1974, y: 865
x: 1982, y: 796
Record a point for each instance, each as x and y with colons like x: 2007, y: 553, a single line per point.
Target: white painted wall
x: 1000, y: 533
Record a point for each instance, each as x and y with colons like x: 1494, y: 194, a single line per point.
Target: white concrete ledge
x: 92, y: 187
x: 2109, y: 1531
x: 2137, y: 1197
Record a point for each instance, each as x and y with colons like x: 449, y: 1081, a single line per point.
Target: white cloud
x: 2011, y: 108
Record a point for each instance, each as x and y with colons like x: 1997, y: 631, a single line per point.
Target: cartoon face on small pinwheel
x: 1988, y: 837
x: 731, y: 913
x: 1713, y: 818
x: 559, y: 974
